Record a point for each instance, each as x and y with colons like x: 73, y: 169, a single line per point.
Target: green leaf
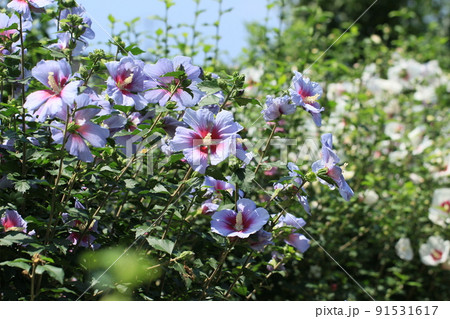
x: 209, y: 87
x: 175, y: 74
x: 15, y: 238
x: 22, y: 186
x: 134, y: 50
x: 242, y: 101
x: 123, y: 108
x: 54, y: 272
x: 161, y: 244
x: 19, y: 263
x: 111, y: 18
x: 130, y: 183
x: 209, y: 100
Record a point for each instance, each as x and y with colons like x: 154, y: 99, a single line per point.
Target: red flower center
x: 436, y: 254
x: 8, y: 224
x: 446, y: 206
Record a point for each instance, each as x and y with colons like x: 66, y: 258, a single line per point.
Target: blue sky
x: 232, y: 26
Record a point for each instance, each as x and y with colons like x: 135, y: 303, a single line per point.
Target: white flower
x: 380, y: 87
x: 406, y: 73
x: 416, y: 179
x: 418, y: 139
x: 439, y: 212
x: 394, y: 130
x: 403, y: 249
x: 370, y: 197
x: 435, y: 251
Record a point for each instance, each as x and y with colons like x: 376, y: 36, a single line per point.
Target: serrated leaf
x: 130, y: 183
x: 54, y: 272
x: 175, y: 74
x: 15, y: 238
x: 209, y: 100
x: 164, y: 245
x: 21, y: 186
x: 18, y: 263
x: 209, y: 87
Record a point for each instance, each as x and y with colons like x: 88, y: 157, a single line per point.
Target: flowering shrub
x: 148, y: 178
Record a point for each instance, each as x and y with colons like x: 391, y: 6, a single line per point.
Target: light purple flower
x: 64, y: 42
x: 81, y: 129
x: 329, y: 161
x: 208, y: 207
x: 260, y: 240
x: 100, y: 101
x: 55, y: 75
x: 248, y: 220
x: 305, y: 93
x: 160, y: 87
x: 299, y: 181
x: 299, y: 241
x: 126, y: 82
x: 210, y: 139
x: 6, y: 46
x: 242, y: 151
x: 12, y: 221
x: 169, y: 124
x: 88, y: 33
x: 275, y: 262
x: 24, y: 7
x: 277, y: 107
x: 117, y: 123
x: 7, y: 21
x: 75, y: 235
x: 215, y: 186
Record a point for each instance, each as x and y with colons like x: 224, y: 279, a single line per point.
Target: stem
x: 166, y: 33
x: 233, y: 88
x: 188, y: 173
x: 22, y: 71
x: 264, y: 280
x: 58, y: 177
x: 265, y: 148
x: 33, y: 275
x: 184, y: 217
x: 244, y: 266
x: 216, y: 270
x: 216, y: 49
x: 193, y: 26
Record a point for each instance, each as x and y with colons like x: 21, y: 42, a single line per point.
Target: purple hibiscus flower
x: 277, y: 107
x: 299, y: 241
x: 215, y: 186
x: 260, y: 240
x: 12, y: 221
x: 305, y: 93
x: 208, y: 207
x: 210, y: 138
x: 299, y: 181
x: 64, y: 42
x: 81, y: 129
x: 246, y: 221
x: 24, y: 7
x: 55, y: 75
x: 169, y: 124
x: 99, y: 100
x: 126, y: 83
x: 6, y: 22
x: 128, y: 123
x: 75, y: 235
x: 6, y: 47
x: 162, y: 88
x: 329, y: 162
